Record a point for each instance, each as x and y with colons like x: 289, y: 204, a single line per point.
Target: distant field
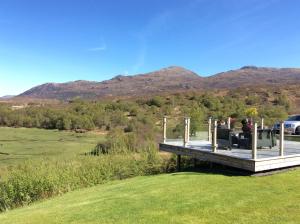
x: 19, y: 144
x: 174, y: 198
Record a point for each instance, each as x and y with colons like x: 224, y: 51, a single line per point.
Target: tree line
x: 143, y: 114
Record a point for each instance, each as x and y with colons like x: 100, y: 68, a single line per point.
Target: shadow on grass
x: 212, y: 168
x: 217, y: 169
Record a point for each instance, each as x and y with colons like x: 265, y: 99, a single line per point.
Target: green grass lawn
x: 19, y: 144
x: 173, y: 198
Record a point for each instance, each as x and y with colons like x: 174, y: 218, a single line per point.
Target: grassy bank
x: 174, y: 198
x: 38, y: 180
x: 38, y: 164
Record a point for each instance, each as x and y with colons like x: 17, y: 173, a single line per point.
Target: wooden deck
x: 267, y: 159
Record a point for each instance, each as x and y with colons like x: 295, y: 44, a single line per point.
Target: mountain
x: 6, y: 97
x: 164, y: 80
x: 253, y: 76
x: 171, y: 79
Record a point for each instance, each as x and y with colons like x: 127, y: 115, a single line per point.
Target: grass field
x: 174, y: 198
x: 168, y: 198
x: 19, y: 144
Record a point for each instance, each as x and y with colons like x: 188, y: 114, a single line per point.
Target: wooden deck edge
x: 257, y: 165
x: 245, y: 164
x: 277, y: 163
x: 278, y: 157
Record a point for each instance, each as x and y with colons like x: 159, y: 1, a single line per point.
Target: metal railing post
x: 165, y: 129
x: 214, y: 142
x: 209, y: 130
x: 281, y: 139
x: 254, y: 141
x: 228, y: 122
x: 262, y: 122
x: 188, y: 129
x: 185, y: 138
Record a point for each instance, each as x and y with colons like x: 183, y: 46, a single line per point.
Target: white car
x: 291, y: 125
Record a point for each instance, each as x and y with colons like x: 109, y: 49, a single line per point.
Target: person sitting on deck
x: 221, y: 124
x: 247, y: 127
x: 250, y: 124
x: 245, y: 137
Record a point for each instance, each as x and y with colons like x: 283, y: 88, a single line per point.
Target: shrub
x: 33, y: 181
x: 282, y: 100
x: 156, y: 101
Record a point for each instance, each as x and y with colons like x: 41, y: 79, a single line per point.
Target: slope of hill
x: 173, y: 198
x: 253, y: 76
x: 167, y: 80
x: 163, y: 80
x: 6, y: 97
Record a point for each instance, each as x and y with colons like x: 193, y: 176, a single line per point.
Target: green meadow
x: 19, y: 144
x: 173, y: 198
x: 37, y: 164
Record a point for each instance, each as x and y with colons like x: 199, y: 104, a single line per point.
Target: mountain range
x: 166, y: 80
x: 7, y: 97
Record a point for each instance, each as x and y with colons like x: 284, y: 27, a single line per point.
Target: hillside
x: 167, y: 80
x: 255, y: 76
x: 173, y: 198
x: 6, y: 97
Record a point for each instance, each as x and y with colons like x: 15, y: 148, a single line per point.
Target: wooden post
x: 165, y: 129
x: 185, y: 136
x: 214, y: 142
x: 281, y: 139
x: 188, y: 129
x: 262, y: 122
x: 254, y: 141
x: 228, y: 123
x: 178, y: 163
x: 209, y: 130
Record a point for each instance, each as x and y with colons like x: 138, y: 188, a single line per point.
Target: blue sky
x: 64, y: 40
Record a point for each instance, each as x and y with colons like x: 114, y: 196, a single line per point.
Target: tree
x: 251, y: 112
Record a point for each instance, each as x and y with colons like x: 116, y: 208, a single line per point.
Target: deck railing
x: 212, y: 134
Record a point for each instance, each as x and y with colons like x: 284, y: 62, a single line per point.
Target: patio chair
x: 266, y: 138
x: 224, y: 138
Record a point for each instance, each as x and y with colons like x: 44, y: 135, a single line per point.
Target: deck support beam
x: 281, y: 139
x: 214, y: 142
x: 178, y: 163
x: 195, y: 162
x: 165, y: 129
x: 209, y: 130
x: 254, y: 141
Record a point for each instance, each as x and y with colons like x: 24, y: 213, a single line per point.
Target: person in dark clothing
x: 221, y: 124
x: 245, y: 138
x: 247, y: 127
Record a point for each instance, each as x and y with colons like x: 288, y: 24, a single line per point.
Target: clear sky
x: 63, y: 40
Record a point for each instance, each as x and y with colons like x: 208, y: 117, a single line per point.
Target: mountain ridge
x: 6, y: 97
x: 170, y: 79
